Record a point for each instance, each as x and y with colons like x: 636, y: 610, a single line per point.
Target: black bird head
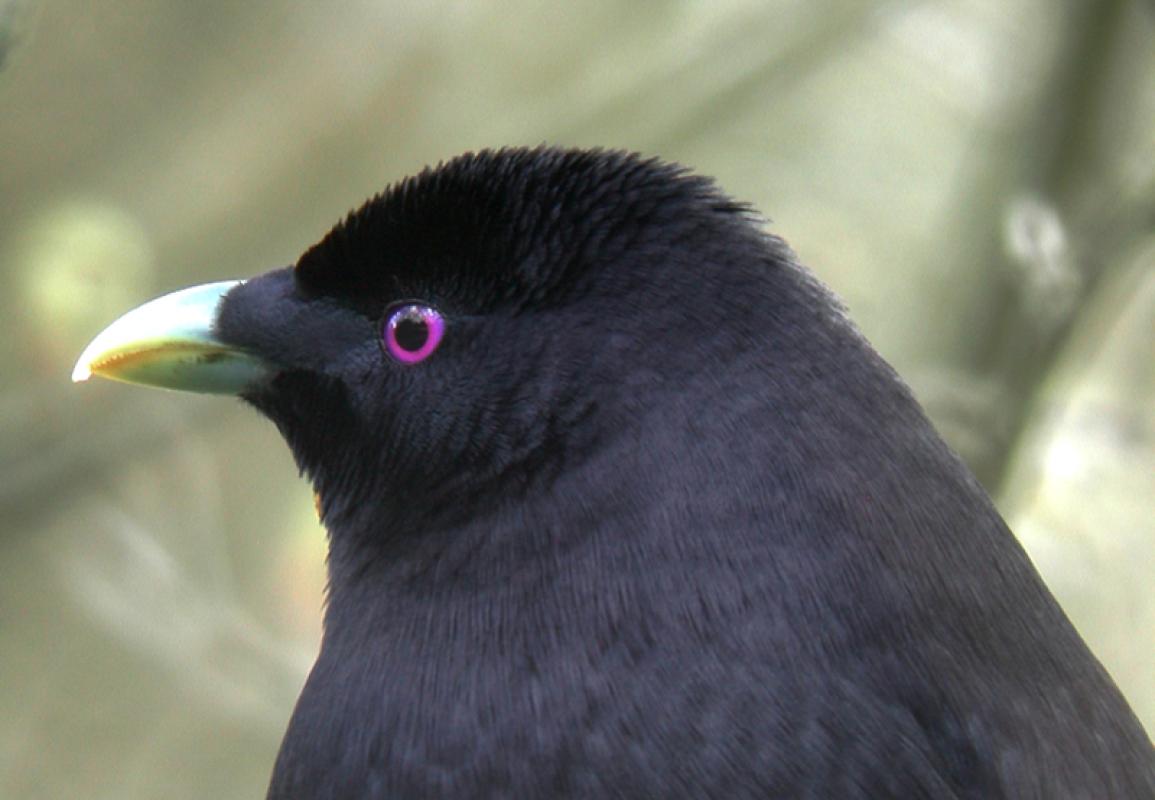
x: 619, y: 501
x: 555, y: 286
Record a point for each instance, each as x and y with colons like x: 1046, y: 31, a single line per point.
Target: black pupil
x: 411, y: 332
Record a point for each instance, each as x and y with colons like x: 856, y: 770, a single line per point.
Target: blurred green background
x: 976, y: 178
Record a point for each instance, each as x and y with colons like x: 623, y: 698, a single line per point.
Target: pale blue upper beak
x: 171, y: 342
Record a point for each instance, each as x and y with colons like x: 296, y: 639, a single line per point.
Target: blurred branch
x: 1059, y: 132
x: 43, y: 464
x: 146, y: 596
x: 795, y: 60
x: 1064, y: 129
x: 752, y: 57
x: 13, y: 16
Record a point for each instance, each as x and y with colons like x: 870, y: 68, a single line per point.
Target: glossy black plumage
x: 653, y: 521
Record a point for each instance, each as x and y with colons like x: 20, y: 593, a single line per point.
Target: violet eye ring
x: 412, y: 332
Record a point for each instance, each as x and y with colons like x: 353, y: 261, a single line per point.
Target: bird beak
x: 171, y: 342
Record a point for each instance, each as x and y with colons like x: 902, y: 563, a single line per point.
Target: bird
x: 620, y: 503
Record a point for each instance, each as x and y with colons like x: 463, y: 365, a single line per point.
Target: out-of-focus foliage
x: 976, y: 178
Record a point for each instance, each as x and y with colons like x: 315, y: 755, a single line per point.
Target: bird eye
x: 412, y: 332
